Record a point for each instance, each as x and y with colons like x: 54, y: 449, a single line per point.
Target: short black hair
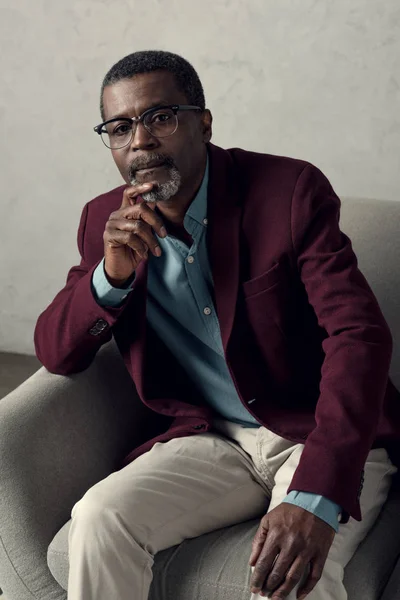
x: 146, y: 61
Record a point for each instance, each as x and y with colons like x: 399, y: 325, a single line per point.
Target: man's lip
x: 150, y: 168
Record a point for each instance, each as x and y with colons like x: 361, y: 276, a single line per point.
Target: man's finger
x: 279, y: 571
x: 313, y: 577
x: 131, y: 193
x: 263, y: 566
x: 291, y: 579
x: 145, y: 214
x: 155, y: 221
x: 258, y: 544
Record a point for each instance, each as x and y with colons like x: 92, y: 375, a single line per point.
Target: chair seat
x: 216, y: 565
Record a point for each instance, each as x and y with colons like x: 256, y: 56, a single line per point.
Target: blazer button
x: 98, y: 327
x: 198, y: 426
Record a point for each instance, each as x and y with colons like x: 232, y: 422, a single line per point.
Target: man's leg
x: 178, y: 490
x: 378, y: 476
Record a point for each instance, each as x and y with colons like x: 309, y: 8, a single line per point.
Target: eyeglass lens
x: 160, y: 123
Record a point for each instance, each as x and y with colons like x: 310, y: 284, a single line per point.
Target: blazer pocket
x: 263, y: 282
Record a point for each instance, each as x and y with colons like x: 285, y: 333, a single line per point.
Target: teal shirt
x: 180, y: 308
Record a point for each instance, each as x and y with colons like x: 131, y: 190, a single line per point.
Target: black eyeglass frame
x: 140, y: 119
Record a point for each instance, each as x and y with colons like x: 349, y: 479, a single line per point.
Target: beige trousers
x: 194, y: 485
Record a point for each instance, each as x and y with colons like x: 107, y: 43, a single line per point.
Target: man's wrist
x: 119, y: 283
x: 320, y: 506
x: 104, y: 293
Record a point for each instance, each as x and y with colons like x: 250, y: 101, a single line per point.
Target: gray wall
x: 318, y: 80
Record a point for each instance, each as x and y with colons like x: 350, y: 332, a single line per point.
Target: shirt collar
x: 198, y: 208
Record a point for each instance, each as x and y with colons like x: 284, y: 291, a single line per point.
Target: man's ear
x: 206, y: 122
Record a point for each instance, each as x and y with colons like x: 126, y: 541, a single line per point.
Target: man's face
x: 182, y: 154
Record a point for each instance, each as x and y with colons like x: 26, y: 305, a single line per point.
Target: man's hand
x: 295, y: 538
x: 129, y: 235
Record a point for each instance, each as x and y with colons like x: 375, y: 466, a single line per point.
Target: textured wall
x: 318, y: 80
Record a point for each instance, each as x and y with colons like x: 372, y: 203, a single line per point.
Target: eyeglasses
x: 160, y: 122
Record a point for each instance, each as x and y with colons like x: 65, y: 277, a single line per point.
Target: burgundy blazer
x: 301, y: 329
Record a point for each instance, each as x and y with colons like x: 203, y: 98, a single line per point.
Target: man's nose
x: 142, y: 138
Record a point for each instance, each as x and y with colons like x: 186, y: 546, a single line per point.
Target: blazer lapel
x: 224, y: 213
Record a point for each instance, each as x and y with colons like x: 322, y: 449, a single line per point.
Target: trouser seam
x: 265, y: 471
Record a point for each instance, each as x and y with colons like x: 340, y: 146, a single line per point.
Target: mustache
x: 142, y: 162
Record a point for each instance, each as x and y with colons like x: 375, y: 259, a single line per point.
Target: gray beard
x: 164, y: 191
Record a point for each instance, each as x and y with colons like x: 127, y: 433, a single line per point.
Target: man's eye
x: 160, y: 117
x: 121, y: 129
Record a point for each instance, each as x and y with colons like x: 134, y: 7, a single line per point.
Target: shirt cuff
x: 320, y: 506
x: 105, y: 294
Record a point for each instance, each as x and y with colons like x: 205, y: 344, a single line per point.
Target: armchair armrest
x: 58, y: 436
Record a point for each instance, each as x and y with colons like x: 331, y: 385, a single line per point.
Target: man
x: 238, y: 307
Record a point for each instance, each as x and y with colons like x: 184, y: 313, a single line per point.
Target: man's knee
x: 90, y: 509
x: 104, y: 508
x: 99, y: 508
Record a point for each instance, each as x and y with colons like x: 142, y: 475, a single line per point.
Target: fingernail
x: 158, y: 251
x: 163, y: 232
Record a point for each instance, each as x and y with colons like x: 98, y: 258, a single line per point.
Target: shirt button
x: 207, y: 310
x: 190, y: 259
x: 205, y: 221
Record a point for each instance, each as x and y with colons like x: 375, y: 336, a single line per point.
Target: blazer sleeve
x: 74, y: 326
x: 357, y: 348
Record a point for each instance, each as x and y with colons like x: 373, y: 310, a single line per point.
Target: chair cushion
x: 216, y: 565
